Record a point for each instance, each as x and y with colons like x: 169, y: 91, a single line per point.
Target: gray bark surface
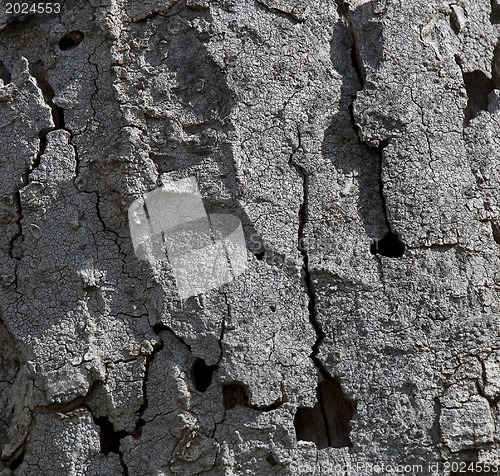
x: 358, y: 144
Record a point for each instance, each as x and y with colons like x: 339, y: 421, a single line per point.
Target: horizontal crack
x: 276, y: 11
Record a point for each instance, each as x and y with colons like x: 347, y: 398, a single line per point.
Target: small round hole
x: 71, y: 40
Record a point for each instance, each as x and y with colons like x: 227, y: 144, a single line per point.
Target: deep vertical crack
x: 335, y: 409
x: 109, y: 439
x: 346, y: 17
x: 303, y: 215
x: 149, y: 359
x: 42, y: 143
x: 436, y: 427
x: 223, y: 327
x: 390, y: 245
x: 311, y: 306
x: 57, y: 113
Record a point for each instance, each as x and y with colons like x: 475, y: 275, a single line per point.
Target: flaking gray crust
x: 325, y: 126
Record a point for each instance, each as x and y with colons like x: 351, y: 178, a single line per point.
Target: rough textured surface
x: 358, y: 143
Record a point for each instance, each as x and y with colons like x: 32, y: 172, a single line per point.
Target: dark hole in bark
x: 16, y: 462
x: 71, y: 40
x: 164, y: 163
x: 4, y: 73
x: 201, y: 374
x: 271, y: 460
x: 389, y: 246
x: 234, y: 394
x: 260, y: 256
x: 273, y: 308
x: 327, y: 423
x: 495, y: 67
x: 478, y: 87
x: 495, y: 11
x: 109, y: 439
x: 495, y: 226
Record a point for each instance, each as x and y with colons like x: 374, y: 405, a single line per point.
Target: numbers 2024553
x: 34, y: 8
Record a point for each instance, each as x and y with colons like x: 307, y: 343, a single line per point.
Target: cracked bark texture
x: 358, y: 143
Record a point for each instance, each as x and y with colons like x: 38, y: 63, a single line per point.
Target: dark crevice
x: 333, y: 410
x: 260, y: 255
x: 201, y: 374
x: 436, y: 429
x: 237, y: 393
x: 303, y: 213
x: 357, y: 65
x: 495, y: 227
x: 327, y: 423
x: 37, y: 71
x: 157, y: 329
x: 481, y: 385
x: 110, y: 440
x: 223, y: 330
x: 4, y: 74
x: 71, y: 40
x: 455, y: 23
x: 495, y: 67
x: 234, y: 394
x: 140, y: 421
x: 271, y: 460
x: 160, y: 326
x: 478, y: 87
x: 390, y: 245
x: 289, y: 16
x: 495, y: 12
x: 16, y: 462
x: 108, y: 437
x: 42, y: 144
x: 342, y: 8
x: 346, y: 17
x: 19, y: 232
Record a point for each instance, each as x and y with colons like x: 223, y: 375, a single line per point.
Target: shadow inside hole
x: 390, y: 246
x: 18, y: 461
x: 201, y: 374
x: 234, y: 394
x: 495, y: 12
x: 71, y: 40
x: 327, y: 423
x: 271, y: 460
x: 4, y: 73
x: 260, y: 255
x: 495, y: 227
x: 478, y: 87
x: 109, y: 439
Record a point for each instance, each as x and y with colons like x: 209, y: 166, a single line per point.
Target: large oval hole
x: 71, y: 40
